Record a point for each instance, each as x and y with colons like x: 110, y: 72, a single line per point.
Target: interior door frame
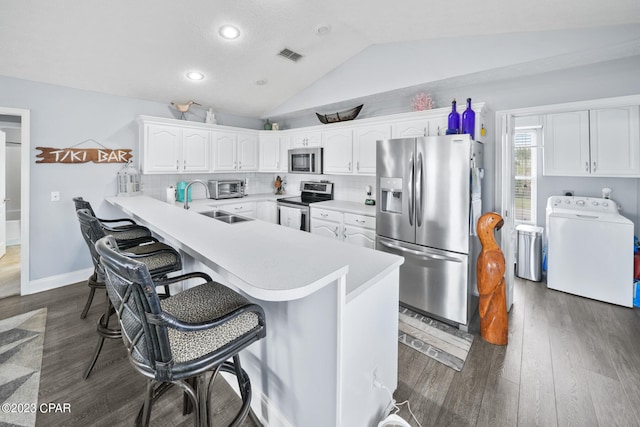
x: 25, y: 173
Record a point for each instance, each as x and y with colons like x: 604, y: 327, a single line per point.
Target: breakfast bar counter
x: 331, y: 311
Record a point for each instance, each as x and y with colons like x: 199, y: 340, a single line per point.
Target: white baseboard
x: 266, y: 412
x: 53, y: 282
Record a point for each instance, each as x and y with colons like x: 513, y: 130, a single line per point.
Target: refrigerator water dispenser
x: 391, y: 195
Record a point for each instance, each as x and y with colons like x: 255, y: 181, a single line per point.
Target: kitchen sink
x: 227, y: 217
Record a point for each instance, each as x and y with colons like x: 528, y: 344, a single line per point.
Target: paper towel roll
x: 171, y: 195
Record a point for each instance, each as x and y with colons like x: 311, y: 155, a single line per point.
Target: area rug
x: 444, y: 343
x: 21, y: 343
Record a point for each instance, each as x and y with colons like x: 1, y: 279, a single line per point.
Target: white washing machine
x: 589, y: 249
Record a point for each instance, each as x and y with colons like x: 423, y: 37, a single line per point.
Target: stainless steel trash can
x: 529, y: 264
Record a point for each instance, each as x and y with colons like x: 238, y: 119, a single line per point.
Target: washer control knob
x: 605, y: 204
x: 580, y: 202
x: 567, y: 201
x: 594, y: 203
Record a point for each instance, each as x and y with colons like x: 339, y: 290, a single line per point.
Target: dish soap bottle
x: 468, y: 120
x: 453, y: 126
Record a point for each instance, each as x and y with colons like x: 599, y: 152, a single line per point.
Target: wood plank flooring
x: 10, y: 272
x: 570, y: 361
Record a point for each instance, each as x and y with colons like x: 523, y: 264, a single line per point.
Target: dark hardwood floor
x: 570, y: 361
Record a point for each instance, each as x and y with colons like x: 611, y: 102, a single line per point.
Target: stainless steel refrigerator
x: 428, y: 193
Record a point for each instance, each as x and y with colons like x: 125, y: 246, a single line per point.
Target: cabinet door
x: 267, y: 211
x: 364, y: 147
x: 224, y: 155
x: 566, y: 144
x: 615, y: 146
x: 438, y: 126
x: 161, y: 149
x: 410, y: 129
x: 360, y: 237
x: 329, y: 229
x: 247, y: 152
x: 245, y: 209
x: 338, y: 149
x: 269, y: 153
x: 195, y: 150
x: 306, y: 139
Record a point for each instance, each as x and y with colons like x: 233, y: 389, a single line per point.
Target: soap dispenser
x: 369, y: 201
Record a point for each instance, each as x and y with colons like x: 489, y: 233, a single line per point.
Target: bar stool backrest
x: 132, y: 293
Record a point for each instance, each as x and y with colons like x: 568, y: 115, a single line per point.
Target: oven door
x: 294, y: 216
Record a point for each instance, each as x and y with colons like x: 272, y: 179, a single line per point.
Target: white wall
x: 62, y: 117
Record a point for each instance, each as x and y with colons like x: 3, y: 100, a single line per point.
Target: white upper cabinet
x: 224, y: 151
x: 566, y: 144
x: 247, y: 152
x: 602, y: 142
x: 423, y: 127
x: 306, y: 139
x: 615, y: 141
x: 235, y: 151
x: 174, y: 149
x: 337, y: 148
x: 195, y: 150
x: 273, y: 152
x: 364, y: 147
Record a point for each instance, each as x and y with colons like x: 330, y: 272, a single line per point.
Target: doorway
x: 16, y: 262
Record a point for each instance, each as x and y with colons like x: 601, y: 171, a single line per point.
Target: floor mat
x: 21, y: 343
x: 444, y: 343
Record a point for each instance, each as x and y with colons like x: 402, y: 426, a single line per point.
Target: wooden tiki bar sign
x: 83, y: 155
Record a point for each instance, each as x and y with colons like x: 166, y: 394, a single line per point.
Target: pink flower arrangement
x: 422, y: 101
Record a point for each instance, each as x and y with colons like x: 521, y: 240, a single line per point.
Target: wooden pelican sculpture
x: 494, y: 326
x: 183, y: 108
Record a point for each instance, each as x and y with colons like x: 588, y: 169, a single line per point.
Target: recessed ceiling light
x: 229, y: 32
x: 323, y: 30
x: 195, y: 75
x: 262, y: 82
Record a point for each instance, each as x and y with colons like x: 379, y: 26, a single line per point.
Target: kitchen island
x: 331, y: 311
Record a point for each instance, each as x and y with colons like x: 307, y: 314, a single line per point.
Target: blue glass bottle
x: 453, y: 126
x: 469, y: 120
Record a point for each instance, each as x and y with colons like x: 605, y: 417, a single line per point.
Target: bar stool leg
x: 103, y: 332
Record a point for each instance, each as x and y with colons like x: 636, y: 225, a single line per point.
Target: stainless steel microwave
x: 305, y: 160
x: 226, y: 189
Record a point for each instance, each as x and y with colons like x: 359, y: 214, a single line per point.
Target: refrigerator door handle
x: 411, y: 194
x: 419, y: 189
x: 420, y: 254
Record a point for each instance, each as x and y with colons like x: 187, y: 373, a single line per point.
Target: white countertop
x: 344, y: 206
x: 267, y: 261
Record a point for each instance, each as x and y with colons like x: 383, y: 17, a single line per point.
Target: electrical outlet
x: 375, y: 382
x: 55, y: 196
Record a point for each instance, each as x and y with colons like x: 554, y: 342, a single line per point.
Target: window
x: 525, y: 142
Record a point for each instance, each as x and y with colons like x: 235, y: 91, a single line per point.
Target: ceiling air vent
x: 291, y: 55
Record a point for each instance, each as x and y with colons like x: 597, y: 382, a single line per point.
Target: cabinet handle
x: 586, y: 166
x: 426, y: 130
x: 277, y: 165
x: 360, y: 221
x: 358, y: 166
x: 324, y: 215
x: 594, y: 167
x: 349, y: 166
x: 344, y: 234
x: 177, y: 165
x: 239, y: 165
x: 336, y: 232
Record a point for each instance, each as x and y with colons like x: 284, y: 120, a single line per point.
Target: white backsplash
x: 349, y: 188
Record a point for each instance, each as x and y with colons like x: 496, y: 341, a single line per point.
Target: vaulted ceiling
x: 144, y: 48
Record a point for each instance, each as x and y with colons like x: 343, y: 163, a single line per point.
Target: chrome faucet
x: 186, y: 191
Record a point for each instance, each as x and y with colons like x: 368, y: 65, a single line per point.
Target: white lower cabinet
x: 356, y: 229
x: 267, y: 211
x: 245, y: 209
